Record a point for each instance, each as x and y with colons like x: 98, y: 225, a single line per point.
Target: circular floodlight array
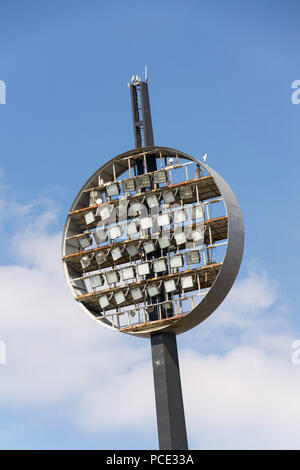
x: 143, y: 250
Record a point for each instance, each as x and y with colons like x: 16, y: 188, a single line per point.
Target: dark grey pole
x: 168, y: 393
x: 167, y: 383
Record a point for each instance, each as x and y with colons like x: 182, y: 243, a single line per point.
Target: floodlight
x: 128, y: 273
x: 143, y: 269
x: 192, y: 257
x: 180, y: 238
x: 115, y: 232
x: 153, y: 290
x: 176, y: 261
x: 103, y: 301
x: 128, y: 185
x: 116, y: 253
x: 144, y: 181
x: 119, y: 297
x: 187, y: 281
x: 159, y: 265
x: 132, y: 250
x: 96, y: 281
x: 185, y: 192
x: 85, y: 261
x: 198, y: 234
x: 105, y: 211
x: 85, y: 241
x: 164, y: 243
x: 160, y: 177
x: 100, y: 236
x: 112, y: 189
x: 168, y: 197
x: 112, y: 277
x: 136, y: 293
x: 179, y: 216
x: 95, y: 197
x: 197, y: 212
x: 149, y: 246
x: 152, y: 201
x: 89, y: 217
x: 169, y: 285
x: 100, y: 257
x: 132, y: 228
x: 146, y: 222
x: 163, y: 220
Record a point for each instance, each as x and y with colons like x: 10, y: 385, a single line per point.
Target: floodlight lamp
x: 179, y: 216
x: 176, y: 261
x: 85, y: 261
x: 89, y: 217
x: 152, y: 201
x: 132, y: 228
x: 96, y: 281
x: 186, y: 192
x: 85, y: 241
x: 128, y: 273
x: 100, y: 235
x: 164, y: 243
x: 180, y: 238
x: 105, y: 211
x: 187, y: 281
x: 159, y: 265
x: 112, y: 277
x: 103, y: 301
x: 170, y: 285
x: 95, y: 197
x: 163, y: 220
x: 136, y: 293
x: 192, y: 257
x: 168, y: 197
x: 143, y: 269
x: 197, y: 212
x: 160, y: 177
x: 115, y: 232
x: 198, y: 234
x: 100, y: 257
x: 119, y: 297
x: 112, y: 189
x: 144, y: 181
x: 116, y: 253
x: 128, y: 185
x: 146, y: 222
x: 132, y: 250
x: 153, y: 290
x: 149, y: 246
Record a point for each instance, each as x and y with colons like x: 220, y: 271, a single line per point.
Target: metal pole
x: 168, y: 394
x: 167, y: 383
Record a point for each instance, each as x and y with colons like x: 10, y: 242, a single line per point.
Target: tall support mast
x: 167, y: 383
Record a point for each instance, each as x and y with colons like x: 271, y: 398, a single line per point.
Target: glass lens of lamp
x: 149, y: 246
x: 112, y: 189
x: 89, y: 217
x: 179, y: 216
x: 187, y: 281
x: 136, y: 293
x: 95, y: 197
x: 198, y: 235
x: 153, y: 290
x: 163, y: 220
x: 185, y: 192
x: 180, y: 238
x: 146, y: 222
x: 111, y: 277
x: 100, y: 258
x: 176, y: 261
x: 192, y: 257
x: 168, y: 197
x: 197, y: 212
x: 96, y: 281
x: 119, y: 297
x: 160, y: 177
x: 100, y: 236
x: 143, y: 269
x: 164, y: 243
x: 103, y: 301
x: 128, y: 273
x: 85, y: 241
x: 144, y: 181
x: 169, y: 286
x: 85, y: 261
x: 159, y: 266
x: 128, y: 185
x: 132, y: 250
x: 116, y: 253
x: 115, y: 232
x: 152, y: 201
x: 105, y: 212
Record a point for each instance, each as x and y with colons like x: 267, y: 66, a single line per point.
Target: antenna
x: 146, y: 73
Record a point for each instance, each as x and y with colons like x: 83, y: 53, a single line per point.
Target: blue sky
x: 220, y: 83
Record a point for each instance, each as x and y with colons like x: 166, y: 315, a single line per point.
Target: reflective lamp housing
x: 148, y: 257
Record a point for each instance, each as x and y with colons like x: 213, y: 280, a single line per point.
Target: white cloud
x: 58, y: 358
